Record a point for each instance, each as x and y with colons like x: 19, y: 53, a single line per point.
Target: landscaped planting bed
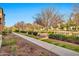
x: 14, y: 45
x: 58, y: 42
x: 71, y: 38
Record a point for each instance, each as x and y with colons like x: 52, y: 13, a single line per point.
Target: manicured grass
x: 62, y: 44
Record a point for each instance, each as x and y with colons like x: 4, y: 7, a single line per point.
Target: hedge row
x: 72, y: 38
x: 6, y: 32
x: 34, y: 33
x: 29, y: 32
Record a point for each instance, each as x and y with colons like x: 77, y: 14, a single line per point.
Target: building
x: 1, y: 19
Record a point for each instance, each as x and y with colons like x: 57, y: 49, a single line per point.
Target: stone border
x: 50, y: 47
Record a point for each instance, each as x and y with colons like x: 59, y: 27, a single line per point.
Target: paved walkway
x: 53, y: 48
x: 0, y: 40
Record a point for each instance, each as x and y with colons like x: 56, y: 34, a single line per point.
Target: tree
x: 20, y: 25
x: 48, y: 18
x: 74, y: 18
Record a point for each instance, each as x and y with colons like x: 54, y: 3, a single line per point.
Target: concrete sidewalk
x: 53, y: 48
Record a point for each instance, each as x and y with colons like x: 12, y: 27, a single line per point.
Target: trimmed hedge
x: 30, y: 32
x: 33, y: 33
x: 72, y: 38
x: 58, y: 36
x: 4, y: 32
x: 23, y: 31
x: 16, y: 31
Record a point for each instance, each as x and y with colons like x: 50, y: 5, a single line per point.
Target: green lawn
x: 63, y: 44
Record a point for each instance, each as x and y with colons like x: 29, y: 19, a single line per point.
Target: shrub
x: 57, y: 36
x: 32, y: 33
x: 35, y: 33
x: 72, y: 38
x: 23, y: 31
x: 29, y: 32
x: 50, y: 32
x: 4, y: 32
x: 16, y: 31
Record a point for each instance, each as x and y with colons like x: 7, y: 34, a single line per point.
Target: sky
x: 15, y: 12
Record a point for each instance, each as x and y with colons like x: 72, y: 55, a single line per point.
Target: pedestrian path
x: 53, y: 48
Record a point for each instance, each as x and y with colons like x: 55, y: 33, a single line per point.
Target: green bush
x: 57, y: 36
x: 50, y: 32
x: 35, y: 33
x: 4, y: 32
x: 32, y: 33
x: 29, y: 32
x: 72, y: 38
x: 23, y: 31
x: 16, y: 31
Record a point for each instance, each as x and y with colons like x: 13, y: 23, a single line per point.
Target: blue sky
x: 15, y: 12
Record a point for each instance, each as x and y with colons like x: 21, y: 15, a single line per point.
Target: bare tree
x: 48, y: 17
x: 20, y: 25
x: 75, y: 16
